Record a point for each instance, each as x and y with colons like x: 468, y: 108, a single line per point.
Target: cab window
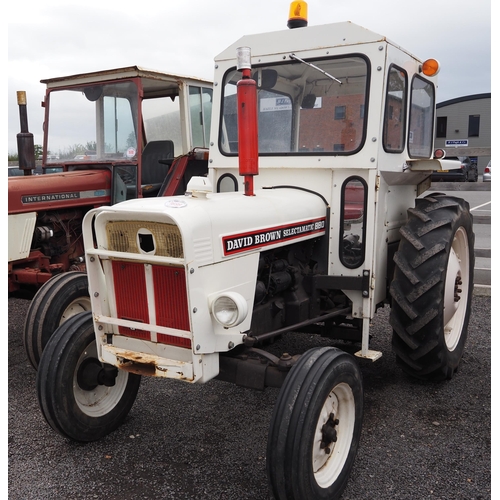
x: 421, y: 129
x: 200, y: 110
x: 304, y: 106
x: 353, y: 227
x: 161, y: 118
x: 395, y: 111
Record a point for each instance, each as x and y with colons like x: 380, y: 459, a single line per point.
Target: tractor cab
x: 340, y: 111
x: 132, y: 120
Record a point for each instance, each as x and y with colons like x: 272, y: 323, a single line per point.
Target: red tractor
x: 109, y: 136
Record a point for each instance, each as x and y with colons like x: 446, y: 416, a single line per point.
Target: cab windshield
x: 92, y: 123
x: 304, y: 106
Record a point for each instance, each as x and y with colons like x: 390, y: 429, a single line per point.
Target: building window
x: 339, y: 112
x: 441, y: 124
x: 362, y: 111
x: 473, y: 125
x: 339, y: 147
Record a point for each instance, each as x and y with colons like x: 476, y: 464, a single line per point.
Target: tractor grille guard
x: 149, y: 296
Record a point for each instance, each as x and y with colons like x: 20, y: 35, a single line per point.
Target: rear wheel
x: 56, y: 301
x: 79, y: 397
x: 432, y: 287
x: 316, y: 426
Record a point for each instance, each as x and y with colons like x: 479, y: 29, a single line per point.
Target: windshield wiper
x: 293, y: 56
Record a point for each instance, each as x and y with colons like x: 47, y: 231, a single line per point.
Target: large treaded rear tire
x: 59, y: 299
x: 432, y: 287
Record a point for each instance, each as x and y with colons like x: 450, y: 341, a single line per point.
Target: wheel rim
x: 99, y: 400
x: 333, y: 435
x: 79, y: 305
x: 456, y: 289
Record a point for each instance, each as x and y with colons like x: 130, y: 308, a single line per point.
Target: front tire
x: 316, y: 426
x: 432, y: 287
x: 75, y: 390
x: 56, y: 301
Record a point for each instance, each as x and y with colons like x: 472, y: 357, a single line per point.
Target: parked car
x: 464, y: 171
x: 487, y: 173
x: 14, y: 172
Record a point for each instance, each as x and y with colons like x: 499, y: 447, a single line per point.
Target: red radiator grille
x: 170, y: 298
x: 131, y: 296
x: 171, y: 340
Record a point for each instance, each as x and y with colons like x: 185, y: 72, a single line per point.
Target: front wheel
x: 79, y: 397
x: 316, y: 426
x: 432, y: 287
x: 56, y: 301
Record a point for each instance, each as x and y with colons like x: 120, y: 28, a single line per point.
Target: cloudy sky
x: 54, y: 38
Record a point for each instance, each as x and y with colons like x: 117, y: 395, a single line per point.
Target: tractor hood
x: 61, y: 190
x: 218, y: 226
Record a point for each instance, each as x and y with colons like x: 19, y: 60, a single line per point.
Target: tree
x: 91, y: 146
x: 38, y: 154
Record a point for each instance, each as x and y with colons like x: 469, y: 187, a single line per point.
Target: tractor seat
x: 154, y: 172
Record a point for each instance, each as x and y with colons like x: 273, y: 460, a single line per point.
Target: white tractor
x: 312, y: 216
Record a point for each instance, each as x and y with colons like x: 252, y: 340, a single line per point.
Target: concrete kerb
x: 482, y: 290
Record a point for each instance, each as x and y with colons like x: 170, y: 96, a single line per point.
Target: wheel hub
x: 92, y: 373
x: 329, y: 433
x: 458, y: 291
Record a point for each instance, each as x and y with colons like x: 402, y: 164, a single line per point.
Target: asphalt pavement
x: 183, y: 442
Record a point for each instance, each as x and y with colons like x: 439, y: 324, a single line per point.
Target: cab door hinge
x: 365, y: 283
x: 377, y: 187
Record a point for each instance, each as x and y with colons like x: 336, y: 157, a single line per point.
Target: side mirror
x: 93, y: 93
x: 265, y: 78
x: 308, y: 101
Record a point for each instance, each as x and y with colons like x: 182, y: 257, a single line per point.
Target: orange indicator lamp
x: 430, y: 67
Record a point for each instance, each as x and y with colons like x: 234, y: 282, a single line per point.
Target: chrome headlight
x: 229, y: 309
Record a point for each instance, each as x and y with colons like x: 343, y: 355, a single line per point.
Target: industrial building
x: 463, y: 127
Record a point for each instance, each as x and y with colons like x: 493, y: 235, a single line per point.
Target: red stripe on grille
x: 171, y: 298
x: 137, y: 334
x: 177, y: 341
x: 131, y: 297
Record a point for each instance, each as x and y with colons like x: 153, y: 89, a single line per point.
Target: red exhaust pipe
x: 248, y: 143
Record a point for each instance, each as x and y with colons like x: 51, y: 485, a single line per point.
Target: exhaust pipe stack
x: 248, y: 142
x: 25, y: 140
